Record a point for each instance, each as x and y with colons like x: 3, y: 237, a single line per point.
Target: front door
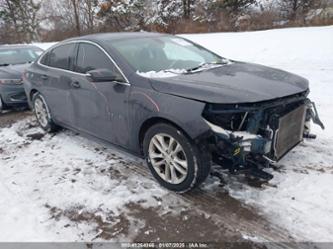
x: 99, y: 108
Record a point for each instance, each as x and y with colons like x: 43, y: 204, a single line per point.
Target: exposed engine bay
x: 249, y: 137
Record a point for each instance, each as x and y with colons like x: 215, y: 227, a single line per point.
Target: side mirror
x: 104, y: 75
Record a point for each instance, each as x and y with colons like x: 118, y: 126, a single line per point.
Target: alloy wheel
x: 41, y: 112
x: 1, y: 105
x: 168, y: 158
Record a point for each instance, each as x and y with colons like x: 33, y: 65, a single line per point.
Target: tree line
x: 44, y: 20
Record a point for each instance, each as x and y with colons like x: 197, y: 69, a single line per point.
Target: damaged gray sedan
x: 173, y: 102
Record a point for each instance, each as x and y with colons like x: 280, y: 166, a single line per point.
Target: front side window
x: 61, y: 57
x: 90, y: 57
x: 14, y: 56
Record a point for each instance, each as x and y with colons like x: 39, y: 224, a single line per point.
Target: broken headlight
x: 228, y: 117
x: 11, y: 81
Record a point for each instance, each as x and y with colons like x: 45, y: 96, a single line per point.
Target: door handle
x: 75, y: 84
x: 44, y: 77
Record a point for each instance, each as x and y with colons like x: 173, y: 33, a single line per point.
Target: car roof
x: 18, y: 46
x: 116, y: 36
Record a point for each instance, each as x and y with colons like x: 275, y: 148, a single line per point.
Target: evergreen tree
x: 234, y: 6
x: 294, y: 9
x: 123, y: 14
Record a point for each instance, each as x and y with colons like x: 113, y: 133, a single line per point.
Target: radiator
x: 290, y: 131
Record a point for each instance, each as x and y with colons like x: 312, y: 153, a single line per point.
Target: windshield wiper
x: 190, y: 70
x: 4, y: 65
x: 175, y: 71
x: 25, y: 62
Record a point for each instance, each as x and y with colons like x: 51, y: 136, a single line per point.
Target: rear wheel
x: 42, y: 113
x: 1, y: 104
x: 173, y: 159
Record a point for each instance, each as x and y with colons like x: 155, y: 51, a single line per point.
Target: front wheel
x: 42, y: 113
x: 173, y: 159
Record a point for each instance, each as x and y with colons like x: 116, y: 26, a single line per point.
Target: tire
x: 1, y: 105
x: 42, y: 113
x: 169, y: 167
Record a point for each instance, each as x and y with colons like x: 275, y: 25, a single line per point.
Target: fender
x: 146, y: 104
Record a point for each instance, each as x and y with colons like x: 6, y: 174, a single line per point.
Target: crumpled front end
x: 256, y: 135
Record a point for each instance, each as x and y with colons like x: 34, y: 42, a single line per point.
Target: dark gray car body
x: 121, y: 112
x: 13, y: 95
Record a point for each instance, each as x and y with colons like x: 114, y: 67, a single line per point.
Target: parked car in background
x: 14, y: 59
x: 173, y: 102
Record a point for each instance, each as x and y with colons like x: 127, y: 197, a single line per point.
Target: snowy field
x: 302, y: 200
x: 65, y: 188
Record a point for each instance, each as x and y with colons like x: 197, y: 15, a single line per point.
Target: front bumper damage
x: 264, y: 134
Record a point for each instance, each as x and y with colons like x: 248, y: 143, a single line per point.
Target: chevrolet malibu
x: 172, y: 102
x: 14, y: 59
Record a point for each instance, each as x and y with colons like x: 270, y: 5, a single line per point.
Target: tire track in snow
x: 217, y: 205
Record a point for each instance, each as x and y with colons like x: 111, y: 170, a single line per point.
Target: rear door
x: 99, y: 108
x: 57, y: 78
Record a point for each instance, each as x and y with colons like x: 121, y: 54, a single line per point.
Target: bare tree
x: 297, y: 9
x: 75, y: 5
x: 88, y: 13
x: 70, y: 17
x: 21, y: 17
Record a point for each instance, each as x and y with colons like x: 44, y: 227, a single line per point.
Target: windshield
x: 164, y: 53
x: 13, y: 56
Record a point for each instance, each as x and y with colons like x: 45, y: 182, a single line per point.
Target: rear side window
x: 90, y: 57
x: 62, y: 56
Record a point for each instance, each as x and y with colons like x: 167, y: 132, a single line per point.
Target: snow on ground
x: 44, y: 45
x: 302, y: 200
x: 66, y: 188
